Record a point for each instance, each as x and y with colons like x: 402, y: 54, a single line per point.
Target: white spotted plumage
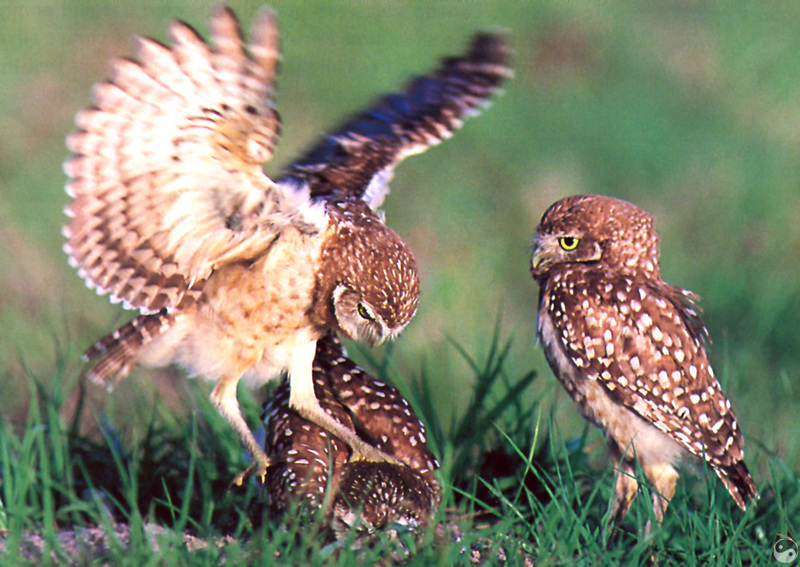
x: 308, y: 465
x: 237, y: 275
x: 630, y: 349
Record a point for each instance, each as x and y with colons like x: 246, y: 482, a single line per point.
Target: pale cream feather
x: 166, y: 177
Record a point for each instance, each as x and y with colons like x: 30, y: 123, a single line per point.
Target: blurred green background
x: 690, y: 110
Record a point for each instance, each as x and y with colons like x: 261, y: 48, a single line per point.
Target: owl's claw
x: 365, y: 452
x: 258, y: 470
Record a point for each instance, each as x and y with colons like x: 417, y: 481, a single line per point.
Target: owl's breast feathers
x: 642, y: 341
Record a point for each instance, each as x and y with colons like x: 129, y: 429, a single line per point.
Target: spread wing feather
x: 166, y: 178
x: 358, y: 159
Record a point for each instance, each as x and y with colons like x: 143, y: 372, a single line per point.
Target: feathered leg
x: 626, y: 486
x: 304, y: 401
x: 223, y: 396
x: 663, y: 477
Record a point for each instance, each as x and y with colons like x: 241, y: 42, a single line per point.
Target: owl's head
x: 369, y: 277
x: 594, y: 230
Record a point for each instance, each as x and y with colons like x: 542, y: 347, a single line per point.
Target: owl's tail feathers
x: 739, y: 483
x: 113, y: 357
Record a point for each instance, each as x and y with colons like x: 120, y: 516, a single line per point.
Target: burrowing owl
x: 630, y: 349
x: 310, y: 464
x: 235, y: 274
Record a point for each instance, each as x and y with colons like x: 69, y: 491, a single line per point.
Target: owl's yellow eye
x: 365, y: 313
x: 568, y: 242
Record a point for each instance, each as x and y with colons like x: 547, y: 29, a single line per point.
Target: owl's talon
x: 258, y: 470
x: 368, y: 453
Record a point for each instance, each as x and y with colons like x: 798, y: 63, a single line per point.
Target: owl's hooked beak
x: 378, y: 341
x: 374, y: 335
x: 541, y: 256
x: 385, y: 335
x: 546, y: 252
x: 537, y: 259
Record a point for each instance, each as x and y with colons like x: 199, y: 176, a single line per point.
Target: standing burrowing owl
x: 237, y: 275
x: 630, y: 349
x: 309, y: 464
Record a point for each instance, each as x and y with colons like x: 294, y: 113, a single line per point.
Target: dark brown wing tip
x: 491, y: 48
x: 739, y: 483
x: 356, y: 161
x: 112, y: 358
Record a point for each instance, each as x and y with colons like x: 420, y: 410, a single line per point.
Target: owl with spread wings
x: 237, y: 275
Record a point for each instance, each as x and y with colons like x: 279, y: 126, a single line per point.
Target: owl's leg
x: 303, y: 400
x: 663, y: 477
x: 626, y: 487
x: 223, y: 396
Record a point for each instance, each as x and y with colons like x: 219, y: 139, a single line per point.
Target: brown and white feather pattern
x: 360, y: 243
x: 173, y: 215
x: 166, y: 178
x: 358, y: 159
x: 310, y: 464
x: 605, y: 309
x: 117, y: 351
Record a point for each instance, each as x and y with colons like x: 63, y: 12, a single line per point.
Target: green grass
x: 687, y: 109
x: 513, y: 485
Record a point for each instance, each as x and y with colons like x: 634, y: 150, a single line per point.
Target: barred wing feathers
x: 358, y: 159
x: 166, y: 178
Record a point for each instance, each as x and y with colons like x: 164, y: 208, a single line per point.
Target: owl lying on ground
x: 237, y: 275
x: 631, y: 349
x: 309, y: 465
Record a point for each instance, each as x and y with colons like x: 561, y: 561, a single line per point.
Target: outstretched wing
x: 359, y: 158
x: 166, y: 177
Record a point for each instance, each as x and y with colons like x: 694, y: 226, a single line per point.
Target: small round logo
x: 785, y: 549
